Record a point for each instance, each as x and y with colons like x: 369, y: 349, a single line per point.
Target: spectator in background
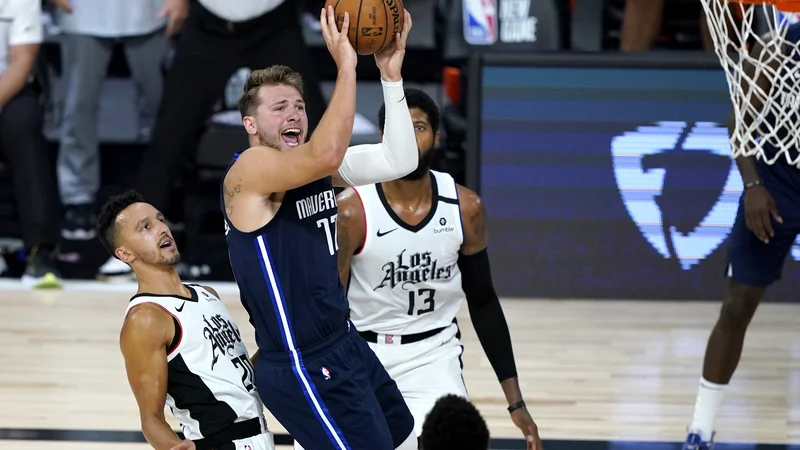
x: 22, y: 143
x: 454, y: 424
x: 642, y: 23
x: 218, y: 37
x: 91, y: 28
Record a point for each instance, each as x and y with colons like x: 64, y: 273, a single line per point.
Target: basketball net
x: 736, y: 26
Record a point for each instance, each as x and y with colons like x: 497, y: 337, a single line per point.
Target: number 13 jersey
x: 405, y: 279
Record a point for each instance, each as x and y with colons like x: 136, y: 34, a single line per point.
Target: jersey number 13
x: 426, y: 297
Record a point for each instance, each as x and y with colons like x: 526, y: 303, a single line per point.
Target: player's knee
x: 740, y: 305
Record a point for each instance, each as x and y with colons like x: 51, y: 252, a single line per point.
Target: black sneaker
x: 40, y: 270
x: 79, y: 223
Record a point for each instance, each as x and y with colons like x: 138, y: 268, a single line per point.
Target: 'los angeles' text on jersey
x: 406, y: 279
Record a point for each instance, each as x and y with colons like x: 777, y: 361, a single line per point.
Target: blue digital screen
x: 610, y: 183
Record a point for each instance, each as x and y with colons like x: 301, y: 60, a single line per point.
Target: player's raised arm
x: 397, y: 155
x: 351, y: 230
x: 276, y: 121
x: 487, y: 313
x: 147, y: 332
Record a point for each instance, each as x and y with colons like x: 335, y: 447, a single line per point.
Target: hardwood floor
x: 609, y: 370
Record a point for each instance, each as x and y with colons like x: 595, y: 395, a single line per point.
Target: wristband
x: 752, y: 184
x: 515, y: 406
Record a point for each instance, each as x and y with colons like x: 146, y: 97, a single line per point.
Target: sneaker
x: 115, y: 270
x: 695, y: 442
x: 79, y: 223
x: 40, y: 271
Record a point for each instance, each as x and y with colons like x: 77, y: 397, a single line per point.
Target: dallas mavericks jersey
x: 210, y: 377
x: 405, y: 279
x: 287, y: 273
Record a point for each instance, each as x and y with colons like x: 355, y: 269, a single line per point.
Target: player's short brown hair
x: 270, y: 76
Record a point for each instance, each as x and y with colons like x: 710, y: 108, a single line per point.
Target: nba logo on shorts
x: 247, y: 447
x: 326, y: 373
x: 480, y: 21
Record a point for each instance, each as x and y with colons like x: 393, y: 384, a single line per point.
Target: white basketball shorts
x: 263, y: 441
x: 425, y: 370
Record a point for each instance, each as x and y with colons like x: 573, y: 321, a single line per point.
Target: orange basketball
x: 373, y: 23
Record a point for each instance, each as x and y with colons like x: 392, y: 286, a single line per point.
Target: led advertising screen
x: 609, y: 182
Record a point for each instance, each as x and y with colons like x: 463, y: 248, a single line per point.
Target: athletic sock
x: 709, y: 397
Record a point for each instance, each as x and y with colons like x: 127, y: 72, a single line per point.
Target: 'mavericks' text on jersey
x: 316, y: 203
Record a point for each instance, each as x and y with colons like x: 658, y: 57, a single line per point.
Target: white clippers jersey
x: 210, y: 380
x: 405, y: 279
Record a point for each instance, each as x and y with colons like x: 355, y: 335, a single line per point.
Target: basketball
x: 373, y: 23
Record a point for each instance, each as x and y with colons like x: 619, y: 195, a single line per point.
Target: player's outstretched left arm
x: 144, y: 338
x: 397, y: 154
x: 487, y: 313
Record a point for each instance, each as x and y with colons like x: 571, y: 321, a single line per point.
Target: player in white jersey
x: 410, y: 252
x: 181, y: 345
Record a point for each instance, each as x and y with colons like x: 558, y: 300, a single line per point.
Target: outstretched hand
x: 337, y: 41
x: 390, y: 59
x: 523, y: 420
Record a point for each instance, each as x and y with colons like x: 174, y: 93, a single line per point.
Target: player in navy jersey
x: 767, y: 223
x: 315, y: 373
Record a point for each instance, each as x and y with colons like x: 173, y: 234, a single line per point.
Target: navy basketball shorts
x: 336, y: 395
x: 752, y: 262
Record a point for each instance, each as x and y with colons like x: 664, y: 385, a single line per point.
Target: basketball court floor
x: 595, y: 374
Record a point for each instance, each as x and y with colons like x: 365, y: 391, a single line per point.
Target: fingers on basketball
x: 324, y: 24
x: 374, y: 24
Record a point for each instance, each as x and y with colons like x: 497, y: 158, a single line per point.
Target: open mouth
x: 166, y: 243
x: 291, y: 137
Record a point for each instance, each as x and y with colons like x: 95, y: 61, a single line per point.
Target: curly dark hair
x: 454, y: 423
x: 106, y: 228
x: 416, y: 98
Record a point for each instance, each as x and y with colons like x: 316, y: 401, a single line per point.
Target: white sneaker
x: 115, y: 270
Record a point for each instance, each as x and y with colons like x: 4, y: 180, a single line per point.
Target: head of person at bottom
x: 425, y: 118
x: 272, y: 108
x: 454, y: 423
x: 134, y: 232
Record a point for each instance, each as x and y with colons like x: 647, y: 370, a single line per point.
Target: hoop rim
x: 790, y: 6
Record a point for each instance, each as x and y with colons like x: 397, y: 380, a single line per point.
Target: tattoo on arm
x: 228, y: 196
x: 479, y: 225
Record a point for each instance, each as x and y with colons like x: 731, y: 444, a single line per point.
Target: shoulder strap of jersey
x: 446, y: 185
x: 165, y: 301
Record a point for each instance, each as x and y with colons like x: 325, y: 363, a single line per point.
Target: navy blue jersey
x: 287, y: 272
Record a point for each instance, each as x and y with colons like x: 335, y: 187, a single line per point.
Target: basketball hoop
x: 737, y: 27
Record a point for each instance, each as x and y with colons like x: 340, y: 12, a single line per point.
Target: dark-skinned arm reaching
x: 487, y: 313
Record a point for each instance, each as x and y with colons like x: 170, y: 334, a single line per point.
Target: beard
x: 425, y: 162
x: 156, y: 258
x: 269, y: 141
